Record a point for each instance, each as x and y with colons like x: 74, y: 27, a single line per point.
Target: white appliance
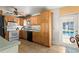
x: 12, y: 28
x: 13, y: 35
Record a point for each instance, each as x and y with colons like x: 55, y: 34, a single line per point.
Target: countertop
x: 25, y: 28
x: 4, y: 44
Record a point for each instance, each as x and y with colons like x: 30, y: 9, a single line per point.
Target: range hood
x: 20, y: 16
x: 26, y: 16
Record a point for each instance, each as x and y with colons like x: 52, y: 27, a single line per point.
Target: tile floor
x: 30, y: 47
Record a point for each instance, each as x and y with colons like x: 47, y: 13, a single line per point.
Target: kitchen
x: 39, y: 29
x: 30, y: 27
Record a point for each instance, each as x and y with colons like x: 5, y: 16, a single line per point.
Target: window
x: 68, y: 28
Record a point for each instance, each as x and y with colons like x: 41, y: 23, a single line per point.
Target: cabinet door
x: 34, y: 19
x: 43, y: 37
x: 23, y: 34
x: 17, y: 20
x: 46, y: 27
x: 12, y: 18
x: 9, y: 18
x: 44, y: 33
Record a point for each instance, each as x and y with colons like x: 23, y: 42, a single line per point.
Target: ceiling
x: 28, y: 9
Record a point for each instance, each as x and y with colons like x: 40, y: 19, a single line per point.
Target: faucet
x: 23, y: 28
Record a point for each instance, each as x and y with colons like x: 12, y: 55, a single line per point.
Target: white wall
x: 56, y: 28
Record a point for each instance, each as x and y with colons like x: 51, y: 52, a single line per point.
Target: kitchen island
x: 8, y: 46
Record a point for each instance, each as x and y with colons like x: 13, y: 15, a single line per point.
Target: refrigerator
x: 2, y: 26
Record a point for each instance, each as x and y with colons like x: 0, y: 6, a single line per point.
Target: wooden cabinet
x: 12, y: 18
x: 44, y: 36
x: 22, y: 33
x: 34, y: 19
x: 9, y: 18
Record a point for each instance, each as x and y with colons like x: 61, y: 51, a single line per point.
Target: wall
x: 56, y: 20
x: 69, y: 10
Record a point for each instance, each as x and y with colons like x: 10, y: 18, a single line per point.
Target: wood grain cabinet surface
x: 44, y: 35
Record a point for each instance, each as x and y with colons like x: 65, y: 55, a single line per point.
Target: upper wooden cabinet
x: 44, y: 36
x: 44, y: 17
x: 9, y: 18
x: 12, y: 18
x: 34, y: 20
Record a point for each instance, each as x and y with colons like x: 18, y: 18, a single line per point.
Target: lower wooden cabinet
x: 22, y: 34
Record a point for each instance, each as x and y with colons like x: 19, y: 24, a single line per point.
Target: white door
x: 68, y: 28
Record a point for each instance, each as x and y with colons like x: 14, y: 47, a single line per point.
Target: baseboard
x: 57, y: 43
